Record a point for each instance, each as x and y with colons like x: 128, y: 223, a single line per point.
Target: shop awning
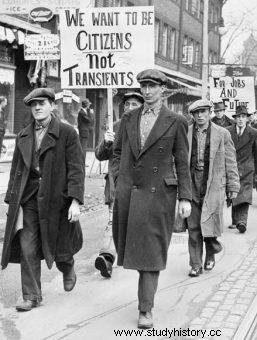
x: 15, y: 31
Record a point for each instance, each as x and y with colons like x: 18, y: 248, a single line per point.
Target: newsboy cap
x: 133, y: 94
x: 152, y: 75
x: 219, y: 106
x: 241, y: 110
x: 199, y: 104
x: 41, y: 93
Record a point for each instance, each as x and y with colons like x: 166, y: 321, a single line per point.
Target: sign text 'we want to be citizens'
x: 105, y: 47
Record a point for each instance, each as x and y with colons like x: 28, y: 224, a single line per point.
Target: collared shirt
x: 148, y: 118
x: 201, y: 141
x: 240, y: 130
x: 40, y: 131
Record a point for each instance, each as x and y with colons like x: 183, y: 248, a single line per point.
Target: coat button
x: 153, y: 189
x: 155, y: 169
x: 135, y: 187
x: 161, y: 149
x: 19, y: 173
x: 134, y: 166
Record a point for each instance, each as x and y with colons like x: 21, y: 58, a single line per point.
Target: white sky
x: 233, y: 12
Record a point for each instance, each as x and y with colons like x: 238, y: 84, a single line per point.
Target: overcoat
x: 62, y: 179
x: 104, y: 152
x: 85, y: 122
x: 246, y: 155
x: 222, y: 178
x: 147, y: 188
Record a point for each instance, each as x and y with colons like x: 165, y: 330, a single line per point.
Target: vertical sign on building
x: 105, y: 47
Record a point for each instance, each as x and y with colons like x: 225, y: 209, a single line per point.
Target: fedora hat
x: 241, y: 110
x: 219, y: 106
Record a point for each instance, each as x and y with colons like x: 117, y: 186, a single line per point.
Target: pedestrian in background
x: 214, y: 174
x: 220, y: 117
x: 85, y: 124
x: 3, y: 120
x: 245, y: 141
x: 104, y: 151
x: 45, y: 189
x: 149, y: 140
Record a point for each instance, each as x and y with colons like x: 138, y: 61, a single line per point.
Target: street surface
x: 98, y: 307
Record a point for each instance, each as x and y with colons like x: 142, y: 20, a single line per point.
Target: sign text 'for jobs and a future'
x: 106, y: 47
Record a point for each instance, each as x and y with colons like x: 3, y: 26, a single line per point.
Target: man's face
x: 41, y: 109
x: 241, y: 120
x: 151, y: 92
x: 131, y: 104
x: 202, y: 116
x: 4, y: 103
x: 219, y: 113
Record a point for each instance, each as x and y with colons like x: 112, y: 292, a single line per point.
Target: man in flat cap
x: 104, y: 151
x: 150, y: 141
x: 214, y: 175
x: 45, y: 189
x: 245, y: 141
x: 220, y: 118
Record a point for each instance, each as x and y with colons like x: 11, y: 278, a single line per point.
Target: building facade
x: 178, y: 53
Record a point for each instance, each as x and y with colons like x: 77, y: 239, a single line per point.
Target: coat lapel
x: 190, y: 139
x: 132, y: 131
x: 244, y: 139
x: 49, y: 139
x: 25, y: 145
x: 162, y: 124
x: 214, y: 145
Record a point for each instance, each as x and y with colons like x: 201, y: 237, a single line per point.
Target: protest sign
x: 42, y: 46
x: 105, y: 47
x: 233, y: 91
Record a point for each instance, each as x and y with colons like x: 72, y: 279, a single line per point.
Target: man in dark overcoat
x: 104, y: 151
x: 85, y: 124
x: 149, y: 141
x: 221, y: 118
x: 245, y: 141
x: 45, y: 189
x: 214, y: 175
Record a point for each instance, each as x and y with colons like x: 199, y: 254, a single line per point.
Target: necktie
x: 239, y: 131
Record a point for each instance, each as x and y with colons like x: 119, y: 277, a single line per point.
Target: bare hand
x: 109, y: 136
x: 74, y: 211
x: 232, y: 195
x: 184, y: 208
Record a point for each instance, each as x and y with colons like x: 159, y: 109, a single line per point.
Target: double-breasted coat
x: 147, y: 188
x: 61, y: 166
x: 246, y: 155
x: 222, y: 178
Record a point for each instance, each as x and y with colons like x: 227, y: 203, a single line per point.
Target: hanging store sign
x: 41, y: 14
x: 26, y: 6
x: 42, y: 46
x: 106, y: 47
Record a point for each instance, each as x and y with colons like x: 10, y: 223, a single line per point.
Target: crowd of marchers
x: 161, y: 165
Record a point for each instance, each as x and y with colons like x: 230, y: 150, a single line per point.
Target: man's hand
x: 184, y: 208
x: 109, y: 136
x: 231, y: 195
x: 74, y: 211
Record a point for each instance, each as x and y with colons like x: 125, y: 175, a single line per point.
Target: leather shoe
x: 27, y: 305
x: 69, y: 280
x: 194, y: 272
x: 145, y: 320
x: 241, y: 227
x: 232, y: 226
x: 209, y: 262
x: 104, y: 266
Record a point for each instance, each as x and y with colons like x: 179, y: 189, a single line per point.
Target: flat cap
x: 241, y: 110
x: 134, y: 94
x: 199, y: 104
x: 219, y: 106
x: 41, y: 93
x: 152, y: 75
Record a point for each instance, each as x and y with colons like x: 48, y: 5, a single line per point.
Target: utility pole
x: 205, y: 49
